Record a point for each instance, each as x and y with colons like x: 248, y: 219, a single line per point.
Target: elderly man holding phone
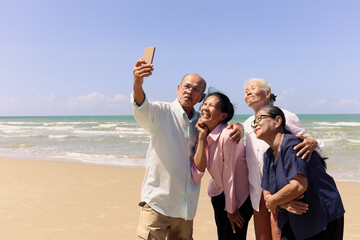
x: 169, y: 196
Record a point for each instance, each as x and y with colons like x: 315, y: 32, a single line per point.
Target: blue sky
x: 76, y: 57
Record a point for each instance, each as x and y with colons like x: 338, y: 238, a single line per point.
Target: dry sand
x: 44, y: 200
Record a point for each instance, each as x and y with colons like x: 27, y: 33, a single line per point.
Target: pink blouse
x: 226, y: 164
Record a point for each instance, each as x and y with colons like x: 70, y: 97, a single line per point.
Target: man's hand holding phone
x: 143, y: 68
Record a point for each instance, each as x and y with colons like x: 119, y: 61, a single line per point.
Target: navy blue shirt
x: 324, y: 200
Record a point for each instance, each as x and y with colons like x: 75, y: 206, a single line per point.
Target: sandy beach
x: 59, y: 200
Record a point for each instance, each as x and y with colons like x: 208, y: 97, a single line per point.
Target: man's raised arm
x: 140, y: 70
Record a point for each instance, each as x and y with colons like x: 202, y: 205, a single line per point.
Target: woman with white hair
x: 258, y: 94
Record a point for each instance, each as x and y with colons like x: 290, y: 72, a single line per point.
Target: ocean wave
x: 20, y: 136
x: 340, y: 124
x: 68, y: 123
x: 13, y: 131
x: 142, y: 142
x: 324, y: 127
x: 346, y: 175
x: 132, y: 136
x: 105, y: 159
x: 35, y: 153
x: 22, y: 123
x: 61, y: 132
x: 54, y: 128
x: 131, y: 131
x: 87, y: 133
x: 10, y: 129
x: 105, y: 126
x: 58, y: 136
x: 342, y: 140
x: 22, y: 145
x: 128, y: 123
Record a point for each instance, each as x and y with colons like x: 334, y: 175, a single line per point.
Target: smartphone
x: 149, y: 54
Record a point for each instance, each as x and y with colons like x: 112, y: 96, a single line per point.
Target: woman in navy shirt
x: 308, y: 203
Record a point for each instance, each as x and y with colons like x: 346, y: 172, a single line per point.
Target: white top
x: 168, y: 187
x: 255, y: 149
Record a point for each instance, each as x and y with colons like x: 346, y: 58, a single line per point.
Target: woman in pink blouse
x: 225, y: 161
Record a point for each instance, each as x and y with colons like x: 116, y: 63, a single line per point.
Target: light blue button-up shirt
x: 168, y: 187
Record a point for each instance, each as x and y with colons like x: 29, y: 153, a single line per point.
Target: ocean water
x: 119, y: 141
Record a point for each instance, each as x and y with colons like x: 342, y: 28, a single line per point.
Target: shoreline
x: 67, y: 200
x: 338, y: 174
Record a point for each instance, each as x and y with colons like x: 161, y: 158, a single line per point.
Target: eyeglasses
x: 187, y: 88
x: 258, y: 118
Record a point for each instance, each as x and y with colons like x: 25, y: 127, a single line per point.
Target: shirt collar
x: 179, y: 108
x: 216, y: 132
x: 269, y: 152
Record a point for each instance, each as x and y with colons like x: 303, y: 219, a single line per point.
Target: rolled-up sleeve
x: 195, y: 173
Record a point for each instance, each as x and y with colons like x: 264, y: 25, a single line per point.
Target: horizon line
x: 131, y: 115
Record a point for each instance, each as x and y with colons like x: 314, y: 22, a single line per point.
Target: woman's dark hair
x: 225, y: 105
x: 274, y: 111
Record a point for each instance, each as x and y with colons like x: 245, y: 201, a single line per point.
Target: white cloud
x: 48, y: 101
x: 8, y: 102
x: 319, y: 102
x: 287, y: 91
x: 120, y: 98
x: 96, y: 100
x: 87, y: 101
x: 348, y: 102
x: 91, y: 104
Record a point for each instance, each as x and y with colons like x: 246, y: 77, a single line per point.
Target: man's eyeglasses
x: 258, y: 118
x: 195, y: 91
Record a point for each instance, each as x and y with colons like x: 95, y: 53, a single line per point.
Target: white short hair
x: 265, y: 85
